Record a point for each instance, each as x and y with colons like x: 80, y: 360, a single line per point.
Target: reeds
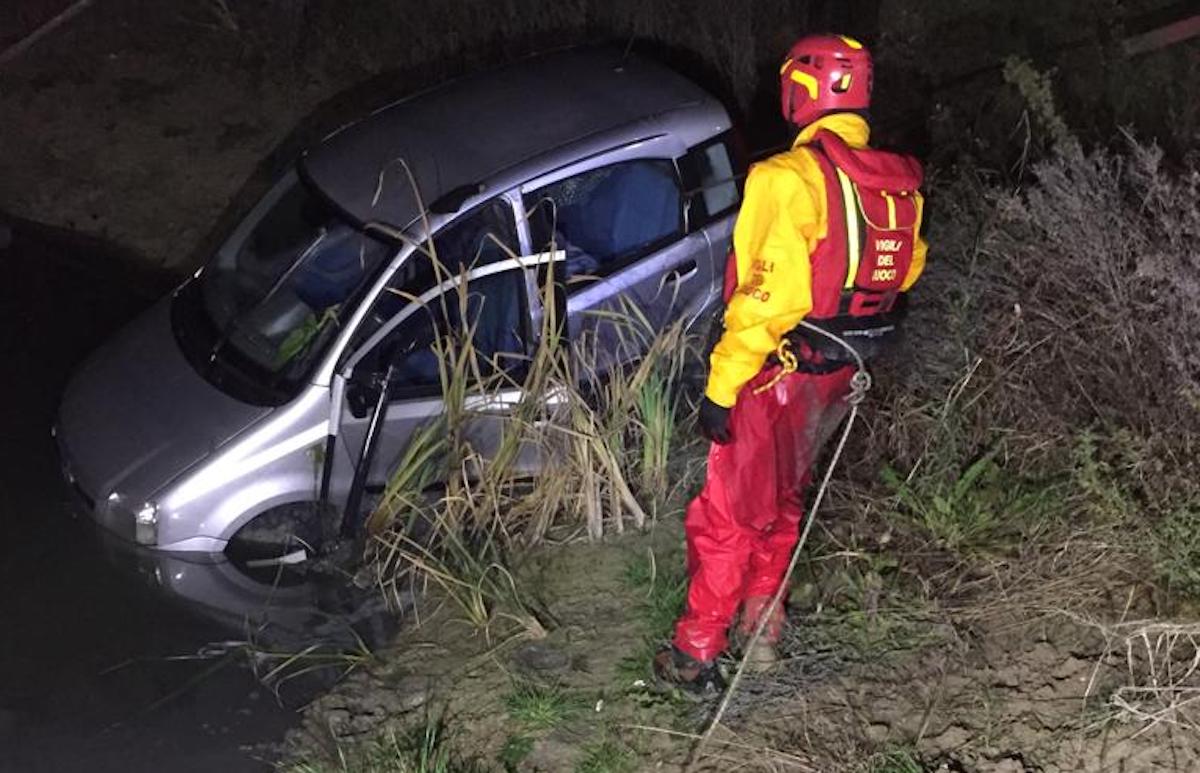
x: 575, y: 440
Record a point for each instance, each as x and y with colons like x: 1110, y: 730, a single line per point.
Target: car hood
x: 136, y: 414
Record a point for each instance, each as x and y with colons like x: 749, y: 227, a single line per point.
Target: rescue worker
x: 827, y: 233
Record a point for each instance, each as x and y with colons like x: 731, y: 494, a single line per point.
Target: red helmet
x: 824, y: 74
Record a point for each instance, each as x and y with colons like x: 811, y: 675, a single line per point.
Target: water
x: 90, y: 673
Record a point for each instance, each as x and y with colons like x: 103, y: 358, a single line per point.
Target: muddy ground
x: 1037, y: 668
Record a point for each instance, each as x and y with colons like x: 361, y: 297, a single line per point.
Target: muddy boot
x: 675, y: 670
x: 763, y: 655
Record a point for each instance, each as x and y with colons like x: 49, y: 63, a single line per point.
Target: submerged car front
x: 228, y: 355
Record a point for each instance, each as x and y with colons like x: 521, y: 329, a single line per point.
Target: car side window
x: 713, y: 181
x: 485, y: 235
x: 494, y: 327
x: 608, y: 217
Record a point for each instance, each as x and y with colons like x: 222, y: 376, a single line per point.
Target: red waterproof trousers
x: 742, y: 527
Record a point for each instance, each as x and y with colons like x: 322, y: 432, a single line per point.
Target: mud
x: 984, y: 687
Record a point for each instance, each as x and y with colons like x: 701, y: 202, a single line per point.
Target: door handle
x: 683, y: 271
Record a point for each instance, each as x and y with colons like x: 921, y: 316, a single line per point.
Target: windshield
x: 257, y: 319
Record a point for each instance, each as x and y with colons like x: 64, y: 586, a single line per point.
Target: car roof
x: 470, y: 130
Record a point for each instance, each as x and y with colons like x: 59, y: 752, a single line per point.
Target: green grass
x: 978, y: 505
x: 895, y: 761
x: 515, y: 750
x: 1101, y: 463
x: 607, y: 756
x: 421, y: 750
x: 655, y: 411
x: 660, y: 583
x: 1176, y: 550
x: 541, y: 707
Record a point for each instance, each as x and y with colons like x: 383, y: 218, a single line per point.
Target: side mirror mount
x: 362, y: 389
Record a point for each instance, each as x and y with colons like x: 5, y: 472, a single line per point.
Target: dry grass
x: 1163, y: 662
x: 601, y: 420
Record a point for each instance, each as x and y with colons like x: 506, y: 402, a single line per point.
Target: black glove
x: 714, y: 422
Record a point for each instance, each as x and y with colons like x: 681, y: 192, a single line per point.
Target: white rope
x: 860, y: 383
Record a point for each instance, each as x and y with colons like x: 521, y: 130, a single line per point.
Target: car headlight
x: 130, y: 520
x: 145, y: 524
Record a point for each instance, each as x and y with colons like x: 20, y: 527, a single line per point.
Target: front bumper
x: 119, y: 521
x: 84, y: 503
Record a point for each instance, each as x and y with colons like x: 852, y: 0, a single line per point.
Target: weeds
x: 594, y: 417
x: 514, y: 752
x: 481, y: 586
x: 424, y: 749
x: 1176, y: 550
x: 863, y: 613
x: 971, y: 507
x: 895, y: 761
x: 607, y: 756
x: 656, y: 417
x: 1104, y: 490
x: 661, y: 585
x: 541, y: 707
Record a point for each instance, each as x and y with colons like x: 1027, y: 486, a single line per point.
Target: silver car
x: 241, y: 396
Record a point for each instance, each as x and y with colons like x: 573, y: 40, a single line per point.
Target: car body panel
x: 121, y: 424
x: 472, y: 129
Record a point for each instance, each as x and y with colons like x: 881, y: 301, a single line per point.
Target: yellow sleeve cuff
x: 727, y: 375
x: 722, y: 397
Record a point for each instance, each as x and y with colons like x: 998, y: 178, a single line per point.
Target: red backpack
x: 860, y: 265
x: 858, y: 268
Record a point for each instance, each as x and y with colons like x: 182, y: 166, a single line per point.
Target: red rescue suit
x: 841, y: 258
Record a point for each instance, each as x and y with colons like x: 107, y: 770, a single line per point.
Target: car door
x: 481, y: 280
x: 622, y: 222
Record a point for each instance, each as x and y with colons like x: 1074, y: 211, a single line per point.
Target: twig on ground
x: 800, y: 763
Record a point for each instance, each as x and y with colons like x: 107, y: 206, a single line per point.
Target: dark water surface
x: 88, y: 675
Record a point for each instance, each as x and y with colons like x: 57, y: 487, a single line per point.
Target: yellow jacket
x: 782, y: 219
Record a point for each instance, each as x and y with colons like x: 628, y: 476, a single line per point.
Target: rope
x: 860, y: 383
x: 787, y: 362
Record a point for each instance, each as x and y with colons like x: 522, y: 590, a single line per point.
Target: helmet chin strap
x: 864, y: 113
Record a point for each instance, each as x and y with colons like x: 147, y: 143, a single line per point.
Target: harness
x: 873, y: 207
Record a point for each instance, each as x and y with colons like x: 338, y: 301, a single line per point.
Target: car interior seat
x: 332, y: 274
x: 635, y: 205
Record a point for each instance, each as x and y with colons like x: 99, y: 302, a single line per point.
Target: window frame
x: 658, y: 147
x: 693, y: 188
x: 353, y: 341
x: 450, y: 294
x: 433, y: 295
